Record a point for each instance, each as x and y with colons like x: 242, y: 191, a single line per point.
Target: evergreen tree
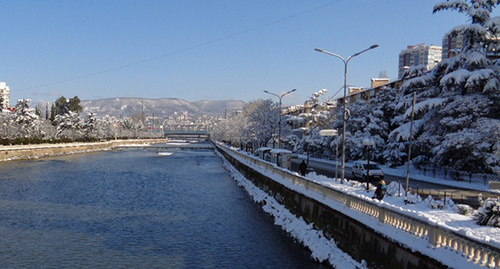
x: 53, y: 112
x: 47, y: 111
x: 457, y: 120
x: 26, y: 120
x: 63, y: 105
x: 74, y: 105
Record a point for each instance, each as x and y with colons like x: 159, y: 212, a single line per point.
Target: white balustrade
x: 438, y: 237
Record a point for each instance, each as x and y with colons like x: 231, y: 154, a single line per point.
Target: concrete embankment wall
x: 353, y: 237
x: 30, y: 151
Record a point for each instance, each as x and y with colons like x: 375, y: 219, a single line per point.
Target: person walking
x: 380, y: 191
x: 303, y: 168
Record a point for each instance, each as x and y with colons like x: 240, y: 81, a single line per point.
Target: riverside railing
x: 438, y: 237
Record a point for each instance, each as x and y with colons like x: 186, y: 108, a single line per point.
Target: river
x: 135, y: 209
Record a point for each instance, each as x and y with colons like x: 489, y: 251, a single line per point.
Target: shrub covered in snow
x: 413, y: 198
x: 465, y: 210
x: 489, y: 213
x: 395, y: 189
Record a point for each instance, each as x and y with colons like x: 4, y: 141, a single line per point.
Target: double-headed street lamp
x: 346, y: 112
x: 279, y: 112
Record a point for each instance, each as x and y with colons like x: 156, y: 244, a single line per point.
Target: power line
x: 182, y: 50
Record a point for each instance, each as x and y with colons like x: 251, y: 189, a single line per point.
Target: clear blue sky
x: 197, y: 50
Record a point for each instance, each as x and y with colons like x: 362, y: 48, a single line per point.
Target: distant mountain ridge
x: 127, y: 107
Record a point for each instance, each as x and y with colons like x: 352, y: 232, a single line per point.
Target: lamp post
x: 369, y: 143
x: 279, y: 112
x: 346, y: 112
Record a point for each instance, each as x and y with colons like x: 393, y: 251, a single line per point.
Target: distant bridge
x: 186, y: 134
x: 186, y: 131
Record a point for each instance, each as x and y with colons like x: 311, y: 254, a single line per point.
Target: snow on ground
x: 446, y: 217
x: 418, y: 175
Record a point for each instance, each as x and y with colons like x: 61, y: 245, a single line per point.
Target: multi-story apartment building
x: 5, y: 94
x: 452, y: 45
x: 419, y: 54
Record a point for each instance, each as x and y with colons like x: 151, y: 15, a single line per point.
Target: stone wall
x: 353, y: 237
x: 32, y: 151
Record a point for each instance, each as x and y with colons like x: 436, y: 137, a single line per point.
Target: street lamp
x: 346, y: 112
x: 279, y: 112
x: 369, y: 143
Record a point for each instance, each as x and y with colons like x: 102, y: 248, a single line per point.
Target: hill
x: 164, y: 107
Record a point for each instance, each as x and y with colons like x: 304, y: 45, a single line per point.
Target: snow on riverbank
x: 322, y: 249
x: 446, y: 217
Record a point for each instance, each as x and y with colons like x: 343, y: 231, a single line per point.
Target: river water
x: 135, y: 209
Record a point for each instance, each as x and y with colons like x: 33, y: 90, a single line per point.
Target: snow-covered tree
x: 25, y: 120
x: 69, y: 125
x: 457, y: 110
x: 259, y: 122
x: 318, y: 114
x: 256, y: 124
x: 91, y: 127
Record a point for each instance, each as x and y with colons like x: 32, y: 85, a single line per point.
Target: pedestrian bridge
x: 186, y: 130
x: 186, y: 134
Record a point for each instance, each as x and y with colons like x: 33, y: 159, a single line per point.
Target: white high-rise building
x: 5, y: 94
x: 419, y: 54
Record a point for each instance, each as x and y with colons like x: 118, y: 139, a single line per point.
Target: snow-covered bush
x: 414, y: 198
x: 395, y: 189
x: 435, y: 204
x: 489, y: 213
x: 466, y: 210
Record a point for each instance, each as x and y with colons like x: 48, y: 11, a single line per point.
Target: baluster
x: 454, y: 244
x: 477, y: 255
x: 418, y: 230
x: 460, y: 246
x: 494, y: 261
x: 381, y: 215
x: 485, y: 255
x: 466, y: 252
x: 390, y: 219
x: 447, y: 240
x: 471, y: 253
x: 444, y: 241
x: 439, y: 240
x: 413, y: 228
